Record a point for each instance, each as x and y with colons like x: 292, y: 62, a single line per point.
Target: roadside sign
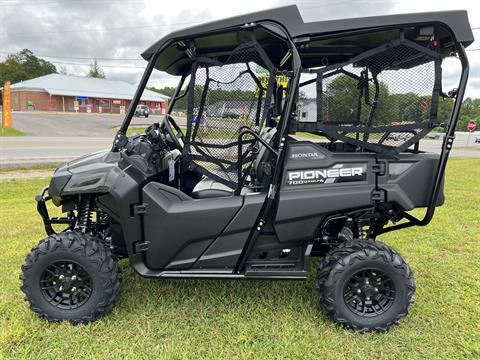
x: 472, y: 125
x: 6, y: 113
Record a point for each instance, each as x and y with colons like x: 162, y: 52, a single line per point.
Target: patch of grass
x: 28, y: 168
x: 11, y: 132
x: 135, y: 130
x: 469, y: 148
x: 257, y: 319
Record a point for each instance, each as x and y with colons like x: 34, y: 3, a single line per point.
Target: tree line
x: 340, y: 103
x: 24, y: 65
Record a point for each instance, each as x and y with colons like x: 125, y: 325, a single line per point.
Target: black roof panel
x: 347, y: 32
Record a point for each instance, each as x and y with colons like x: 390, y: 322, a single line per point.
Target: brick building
x: 56, y: 92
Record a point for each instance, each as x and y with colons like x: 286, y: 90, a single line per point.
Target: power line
x: 102, y: 59
x: 76, y: 57
x: 88, y: 64
x: 102, y: 65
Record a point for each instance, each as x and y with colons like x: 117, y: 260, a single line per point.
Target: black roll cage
x: 279, y: 146
x: 446, y: 148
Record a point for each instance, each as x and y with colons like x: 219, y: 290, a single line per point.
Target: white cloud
x: 50, y: 27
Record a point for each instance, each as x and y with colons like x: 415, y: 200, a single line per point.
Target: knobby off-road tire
x: 71, y: 276
x: 365, y: 285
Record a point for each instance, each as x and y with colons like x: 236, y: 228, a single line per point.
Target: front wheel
x: 70, y: 276
x: 365, y: 285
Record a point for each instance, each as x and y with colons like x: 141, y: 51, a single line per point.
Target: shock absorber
x: 84, y: 215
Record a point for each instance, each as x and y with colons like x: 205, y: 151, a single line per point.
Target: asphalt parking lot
x: 58, y: 137
x: 72, y: 124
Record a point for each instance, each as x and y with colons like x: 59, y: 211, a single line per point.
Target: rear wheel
x: 70, y: 276
x: 365, y: 285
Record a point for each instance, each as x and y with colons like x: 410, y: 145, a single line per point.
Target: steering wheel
x: 177, y: 138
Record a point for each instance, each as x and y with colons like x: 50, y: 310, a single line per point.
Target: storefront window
x: 104, y: 103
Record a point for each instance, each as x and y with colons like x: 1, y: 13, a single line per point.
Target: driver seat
x: 210, y: 188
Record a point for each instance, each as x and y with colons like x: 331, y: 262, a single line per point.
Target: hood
x: 92, y: 173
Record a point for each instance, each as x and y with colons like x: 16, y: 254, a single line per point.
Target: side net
x: 223, y: 98
x: 384, y: 100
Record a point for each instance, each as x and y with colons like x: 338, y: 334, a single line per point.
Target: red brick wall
x: 41, y: 101
x: 20, y: 100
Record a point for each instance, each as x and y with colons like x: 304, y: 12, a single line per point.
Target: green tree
x: 470, y: 111
x: 445, y: 107
x: 340, y: 102
x: 96, y: 70
x: 386, y: 111
x: 24, y: 65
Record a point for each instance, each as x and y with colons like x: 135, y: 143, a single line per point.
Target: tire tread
x: 338, y: 260
x: 95, y: 252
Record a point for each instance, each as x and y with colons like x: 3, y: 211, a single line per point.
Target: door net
x: 223, y: 98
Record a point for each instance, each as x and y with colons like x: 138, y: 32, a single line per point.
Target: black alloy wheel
x: 66, y: 284
x: 369, y: 293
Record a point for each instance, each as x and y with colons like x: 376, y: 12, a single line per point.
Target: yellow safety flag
x: 282, y: 80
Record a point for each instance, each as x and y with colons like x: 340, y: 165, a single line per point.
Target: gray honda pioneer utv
x: 225, y: 186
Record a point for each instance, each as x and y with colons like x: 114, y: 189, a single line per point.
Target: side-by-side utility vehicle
x: 284, y: 140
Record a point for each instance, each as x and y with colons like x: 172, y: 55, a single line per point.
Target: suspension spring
x: 85, y: 215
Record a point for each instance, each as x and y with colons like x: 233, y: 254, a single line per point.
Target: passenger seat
x: 210, y: 188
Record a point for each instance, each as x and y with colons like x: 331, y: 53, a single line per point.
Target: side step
x: 285, y: 265
x: 294, y: 274
x: 215, y: 274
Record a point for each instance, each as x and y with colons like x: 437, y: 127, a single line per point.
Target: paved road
x: 63, y: 137
x: 71, y: 124
x: 28, y: 150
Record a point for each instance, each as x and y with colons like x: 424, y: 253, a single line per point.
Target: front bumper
x: 48, y: 221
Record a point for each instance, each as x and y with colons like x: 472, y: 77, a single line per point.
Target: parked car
x: 142, y: 110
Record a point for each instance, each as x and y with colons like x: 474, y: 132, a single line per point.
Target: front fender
x: 93, y: 173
